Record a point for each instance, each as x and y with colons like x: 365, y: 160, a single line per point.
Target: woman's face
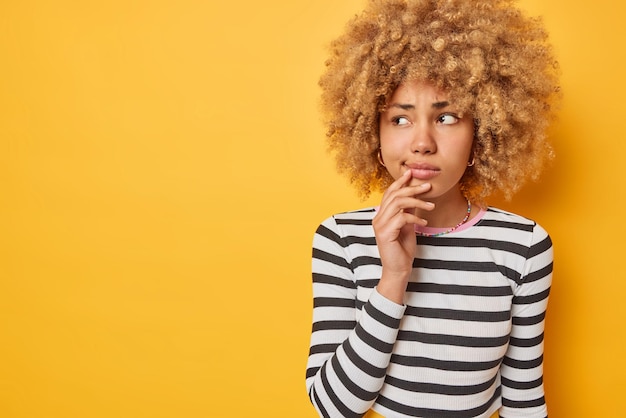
x: 422, y: 131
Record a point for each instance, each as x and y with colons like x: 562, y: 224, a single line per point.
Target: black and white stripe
x: 469, y: 340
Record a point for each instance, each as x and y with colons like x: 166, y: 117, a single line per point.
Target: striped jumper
x: 467, y: 342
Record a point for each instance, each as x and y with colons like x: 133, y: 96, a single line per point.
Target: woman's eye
x: 400, y: 121
x: 447, y: 119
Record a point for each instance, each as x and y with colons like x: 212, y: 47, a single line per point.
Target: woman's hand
x: 395, y: 234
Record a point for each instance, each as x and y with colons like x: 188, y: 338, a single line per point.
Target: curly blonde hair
x: 493, y: 61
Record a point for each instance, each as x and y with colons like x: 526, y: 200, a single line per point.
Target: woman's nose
x: 423, y: 141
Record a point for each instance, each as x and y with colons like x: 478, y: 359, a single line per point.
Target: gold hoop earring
x: 379, y: 155
x: 471, y: 163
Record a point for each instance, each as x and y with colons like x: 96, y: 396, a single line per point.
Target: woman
x: 433, y: 303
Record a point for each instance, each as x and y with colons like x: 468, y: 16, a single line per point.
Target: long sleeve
x: 350, y: 348
x: 469, y: 341
x: 522, y: 367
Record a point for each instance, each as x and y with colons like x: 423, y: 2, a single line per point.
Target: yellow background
x: 163, y: 168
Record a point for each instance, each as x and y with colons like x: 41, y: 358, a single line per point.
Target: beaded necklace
x: 426, y: 234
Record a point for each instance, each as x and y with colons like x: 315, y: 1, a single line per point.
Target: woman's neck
x: 449, y: 210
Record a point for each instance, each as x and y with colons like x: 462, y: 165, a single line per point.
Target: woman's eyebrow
x: 408, y: 106
x: 440, y: 105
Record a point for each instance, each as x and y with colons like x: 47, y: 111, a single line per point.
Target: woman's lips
x: 423, y: 171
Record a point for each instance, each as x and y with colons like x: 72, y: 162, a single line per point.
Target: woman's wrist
x: 393, y: 286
